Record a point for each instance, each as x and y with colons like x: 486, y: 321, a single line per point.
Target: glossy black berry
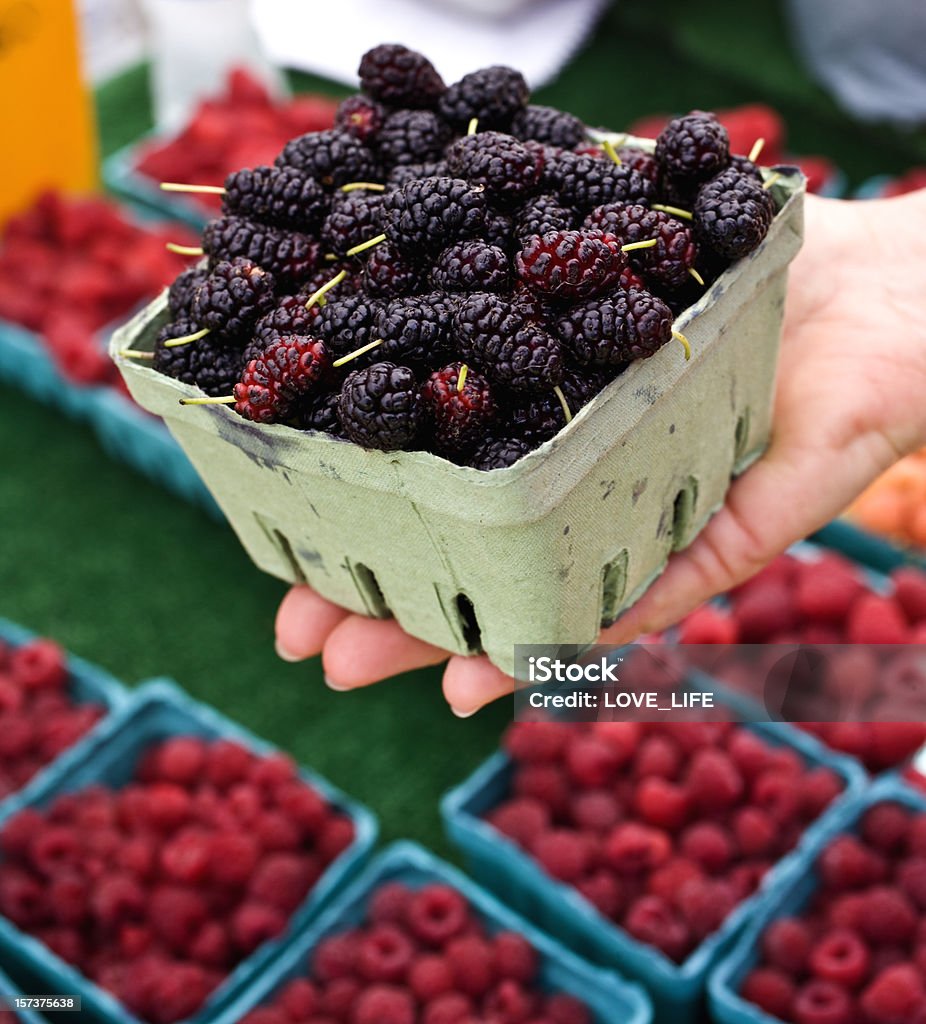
x: 616, y: 329
x: 456, y: 419
x: 472, y: 266
x: 733, y: 213
x: 208, y: 364
x: 400, y: 77
x: 506, y: 169
x: 346, y: 323
x: 181, y: 292
x: 232, y: 298
x: 360, y: 116
x: 427, y: 214
x: 318, y: 412
x: 416, y: 329
x: 403, y: 173
x: 388, y: 273
x: 380, y: 407
x: 586, y: 181
x: 640, y: 161
x: 548, y: 125
x: 289, y: 316
x: 498, y: 453
x: 537, y: 417
x: 412, y: 137
x: 289, y: 255
x: 333, y: 158
x: 693, y: 148
x: 543, y: 214
x: 281, y: 196
x: 355, y: 217
x: 492, y: 95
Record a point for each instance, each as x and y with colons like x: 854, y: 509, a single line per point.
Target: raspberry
x: 388, y: 274
x: 181, y: 292
x: 713, y: 781
x: 889, y: 917
x: 910, y: 593
x: 732, y: 214
x: 333, y: 158
x: 384, y: 954
x: 233, y: 297
x: 885, y: 827
x: 521, y: 820
x: 653, y: 921
x: 514, y: 957
x: 562, y: 853
x: 288, y: 255
x: 471, y: 266
x: 336, y: 957
x: 596, y: 810
x: 822, y: 1002
x: 493, y: 95
x: 339, y: 996
x: 428, y: 214
x: 282, y: 880
x: 778, y: 795
x: 498, y: 453
x: 380, y: 406
x: 708, y: 625
x: 657, y: 756
x: 473, y: 964
x: 632, y: 848
x: 383, y: 1004
x: 604, y: 891
x: 176, y: 913
x: 586, y: 181
x: 841, y: 957
x: 533, y: 742
x: 543, y: 214
x: 875, y: 619
x: 299, y: 999
x: 847, y: 864
x: 705, y: 904
x: 504, y: 346
x: 412, y: 137
x: 281, y: 196
x: 436, y: 913
x: 505, y: 168
x: 457, y: 419
x: 430, y: 976
x: 227, y: 762
x: 846, y: 911
x: 667, y: 264
x: 354, y: 217
x: 544, y: 782
x: 819, y: 788
x: 346, y: 324
x: 911, y: 879
x: 187, y: 856
x: 252, y: 924
x: 895, y: 996
x: 755, y: 832
x: 662, y: 804
x: 617, y: 329
x: 401, y: 77
x: 180, y: 759
x: 891, y: 743
x: 39, y: 665
x: 211, y: 947
x: 771, y: 990
x: 390, y: 903
x: 119, y: 898
x: 707, y: 844
x: 565, y: 1009
x: 233, y: 857
x: 549, y: 126
x: 361, y: 117
x: 301, y: 805
x: 570, y: 264
x: 667, y: 881
x: 450, y: 1008
x: 693, y: 148
x: 592, y: 761
x: 825, y: 592
x: 270, y: 385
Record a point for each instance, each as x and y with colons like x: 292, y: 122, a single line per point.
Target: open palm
x: 851, y: 400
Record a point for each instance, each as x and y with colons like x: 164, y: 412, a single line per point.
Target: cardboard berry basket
x: 794, y: 893
x: 870, y: 549
x: 545, y: 551
x: 677, y: 990
x: 126, y: 432
x: 156, y: 711
x: 86, y: 684
x: 9, y: 991
x: 608, y: 996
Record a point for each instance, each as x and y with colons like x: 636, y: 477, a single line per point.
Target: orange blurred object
x: 46, y: 119
x: 895, y: 504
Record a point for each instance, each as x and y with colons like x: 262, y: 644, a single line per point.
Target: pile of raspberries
x: 498, y: 298
x: 38, y: 718
x: 857, y: 953
x: 421, y: 957
x: 664, y: 828
x: 825, y: 600
x: 156, y: 891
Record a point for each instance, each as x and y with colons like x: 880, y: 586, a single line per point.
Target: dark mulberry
x: 733, y: 213
x: 472, y: 266
x: 389, y: 273
x: 693, y: 148
x: 181, y: 292
x: 616, y: 329
x: 426, y: 215
x: 585, y: 181
x: 492, y: 95
x: 507, y: 170
x: 498, y: 453
x: 457, y: 418
x: 380, y: 407
x: 412, y: 137
x: 333, y: 158
x: 570, y: 264
x: 355, y: 217
x: 232, y: 298
x: 361, y: 117
x: 346, y: 323
x: 543, y: 214
x: 400, y: 77
x: 281, y: 196
x: 416, y: 329
x: 289, y: 255
x: 548, y: 125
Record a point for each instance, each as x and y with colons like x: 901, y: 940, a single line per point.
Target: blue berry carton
x: 155, y: 712
x: 86, y: 684
x: 9, y: 992
x: 791, y: 896
x: 869, y: 549
x: 677, y: 990
x: 608, y: 996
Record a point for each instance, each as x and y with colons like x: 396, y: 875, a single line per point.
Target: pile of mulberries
x: 477, y: 242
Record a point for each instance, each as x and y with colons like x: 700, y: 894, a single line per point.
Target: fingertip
x: 303, y: 623
x: 471, y: 683
x: 359, y: 648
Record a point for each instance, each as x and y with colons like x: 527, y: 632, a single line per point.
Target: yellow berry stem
x: 184, y: 250
x: 224, y: 400
x: 461, y: 380
x: 186, y: 339
x: 608, y: 146
x: 757, y: 148
x: 675, y: 211
x: 686, y: 344
x: 771, y: 181
x: 633, y: 246
x: 357, y: 352
x: 331, y: 256
x: 473, y: 125
x: 318, y: 296
x: 368, y: 244
x: 696, y: 276
x: 130, y: 353
x: 371, y: 186
x: 567, y: 412
x: 209, y: 190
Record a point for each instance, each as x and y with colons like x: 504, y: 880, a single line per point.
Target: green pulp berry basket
x: 543, y: 552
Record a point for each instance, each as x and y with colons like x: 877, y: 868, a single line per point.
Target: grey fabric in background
x: 870, y: 54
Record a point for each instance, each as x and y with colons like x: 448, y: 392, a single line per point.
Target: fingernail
x: 463, y: 714
x: 332, y: 685
x: 284, y: 654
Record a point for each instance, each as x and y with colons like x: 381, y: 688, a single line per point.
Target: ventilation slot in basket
x: 613, y: 586
x: 683, y: 513
x: 469, y: 624
x: 741, y: 437
x: 370, y: 592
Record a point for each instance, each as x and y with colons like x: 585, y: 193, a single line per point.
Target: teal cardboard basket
x: 727, y: 1005
x: 87, y: 684
x: 677, y: 990
x: 155, y: 712
x: 8, y: 992
x: 611, y: 999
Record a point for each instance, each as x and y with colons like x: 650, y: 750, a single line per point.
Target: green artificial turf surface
x: 125, y: 575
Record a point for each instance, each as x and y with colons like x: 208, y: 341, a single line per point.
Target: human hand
x: 851, y: 401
